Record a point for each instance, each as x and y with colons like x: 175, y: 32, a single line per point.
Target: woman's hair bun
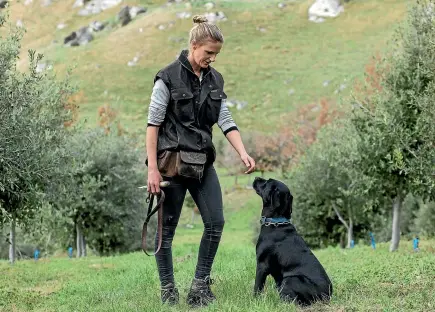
x: 198, y: 19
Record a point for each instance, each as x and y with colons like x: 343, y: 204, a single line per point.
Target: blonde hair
x: 204, y: 31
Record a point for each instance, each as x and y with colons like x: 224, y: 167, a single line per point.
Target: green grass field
x: 364, y: 279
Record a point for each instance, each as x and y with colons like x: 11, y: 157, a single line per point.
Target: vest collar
x: 182, y: 58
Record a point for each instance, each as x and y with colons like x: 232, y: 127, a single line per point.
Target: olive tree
x: 32, y: 132
x: 396, y: 123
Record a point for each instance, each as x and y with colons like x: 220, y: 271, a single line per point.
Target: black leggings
x: 208, y: 197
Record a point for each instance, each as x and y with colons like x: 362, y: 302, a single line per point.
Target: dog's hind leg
x: 260, y: 278
x: 298, y: 289
x: 278, y: 281
x: 287, y: 295
x: 288, y: 290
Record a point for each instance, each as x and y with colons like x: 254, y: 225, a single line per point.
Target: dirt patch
x: 183, y: 258
x: 47, y: 288
x: 100, y: 266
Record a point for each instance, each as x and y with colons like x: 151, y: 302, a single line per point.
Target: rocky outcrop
x: 79, y: 37
x: 95, y: 6
x: 127, y: 14
x: 322, y: 9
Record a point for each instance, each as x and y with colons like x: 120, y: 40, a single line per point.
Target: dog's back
x: 307, y: 280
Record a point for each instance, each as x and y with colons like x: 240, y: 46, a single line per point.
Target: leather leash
x: 159, y: 209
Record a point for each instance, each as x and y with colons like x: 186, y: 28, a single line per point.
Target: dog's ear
x: 275, y: 198
x: 282, y: 203
x: 287, y: 205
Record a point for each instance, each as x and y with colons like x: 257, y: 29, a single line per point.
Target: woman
x: 187, y: 100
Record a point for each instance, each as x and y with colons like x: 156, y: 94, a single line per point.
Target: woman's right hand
x: 154, y: 179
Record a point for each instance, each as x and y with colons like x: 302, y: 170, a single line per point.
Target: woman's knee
x: 170, y: 220
x: 215, y: 226
x: 168, y: 233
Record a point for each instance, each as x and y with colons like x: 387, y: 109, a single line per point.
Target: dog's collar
x: 275, y: 221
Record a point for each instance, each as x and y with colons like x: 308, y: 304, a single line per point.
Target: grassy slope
x: 255, y: 64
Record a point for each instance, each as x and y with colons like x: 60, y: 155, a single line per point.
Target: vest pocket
x: 183, y: 104
x: 214, y: 107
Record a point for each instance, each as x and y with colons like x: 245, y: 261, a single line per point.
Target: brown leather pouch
x: 167, y: 163
x: 191, y: 164
x: 187, y: 164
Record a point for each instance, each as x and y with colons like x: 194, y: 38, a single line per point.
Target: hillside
x: 274, y: 59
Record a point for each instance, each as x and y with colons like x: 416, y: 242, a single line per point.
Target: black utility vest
x: 193, y: 108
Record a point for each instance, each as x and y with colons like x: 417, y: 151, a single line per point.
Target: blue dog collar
x: 274, y: 221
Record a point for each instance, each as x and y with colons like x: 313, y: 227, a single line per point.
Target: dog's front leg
x: 260, y: 279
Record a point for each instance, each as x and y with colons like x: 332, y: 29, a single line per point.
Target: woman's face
x: 204, y: 54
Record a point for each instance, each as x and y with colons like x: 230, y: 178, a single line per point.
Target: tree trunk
x: 350, y: 233
x: 48, y: 242
x: 395, y: 233
x: 342, y: 243
x: 84, y: 250
x: 12, y: 246
x: 79, y: 241
x: 349, y: 227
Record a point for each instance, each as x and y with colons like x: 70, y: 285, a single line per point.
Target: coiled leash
x: 151, y: 211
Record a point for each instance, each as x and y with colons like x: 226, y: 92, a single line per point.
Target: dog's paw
x: 257, y: 293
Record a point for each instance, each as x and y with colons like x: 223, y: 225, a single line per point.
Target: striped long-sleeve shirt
x: 160, y: 97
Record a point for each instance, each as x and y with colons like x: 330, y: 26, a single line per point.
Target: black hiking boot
x: 169, y: 294
x: 200, y: 293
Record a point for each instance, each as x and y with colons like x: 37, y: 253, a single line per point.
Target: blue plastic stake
x: 372, y: 239
x: 416, y: 243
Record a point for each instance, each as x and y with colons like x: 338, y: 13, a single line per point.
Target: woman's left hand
x: 249, y: 162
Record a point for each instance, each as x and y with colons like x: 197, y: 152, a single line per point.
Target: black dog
x: 282, y: 253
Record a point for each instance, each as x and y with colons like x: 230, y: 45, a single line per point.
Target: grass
x: 364, y: 280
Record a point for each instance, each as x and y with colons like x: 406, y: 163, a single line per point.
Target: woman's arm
x: 154, y: 176
x: 231, y: 132
x: 235, y: 139
x: 156, y: 115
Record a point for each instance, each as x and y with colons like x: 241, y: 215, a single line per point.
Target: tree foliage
x: 101, y: 198
x: 328, y: 184
x: 279, y: 151
x: 397, y: 122
x: 32, y: 132
x: 425, y: 219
